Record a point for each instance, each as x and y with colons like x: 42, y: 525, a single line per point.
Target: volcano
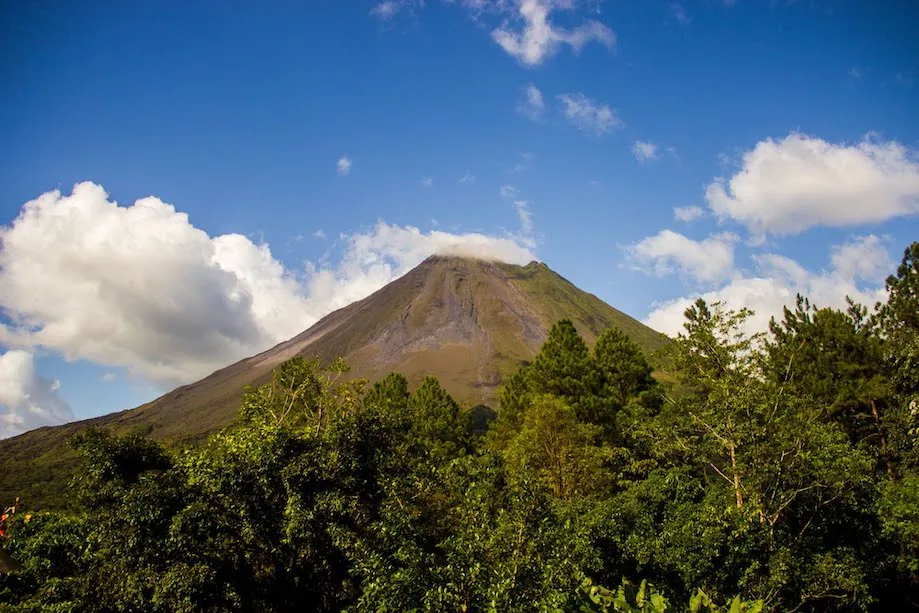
x: 468, y: 322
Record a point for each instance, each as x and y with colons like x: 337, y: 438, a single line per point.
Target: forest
x: 779, y: 471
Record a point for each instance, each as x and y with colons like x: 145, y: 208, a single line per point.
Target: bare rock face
x: 468, y: 322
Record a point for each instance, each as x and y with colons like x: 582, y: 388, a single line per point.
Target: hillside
x: 467, y: 322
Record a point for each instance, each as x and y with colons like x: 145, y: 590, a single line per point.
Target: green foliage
x: 782, y: 475
x: 553, y: 445
x: 644, y: 598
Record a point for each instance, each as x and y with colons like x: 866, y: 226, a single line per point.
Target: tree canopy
x: 780, y: 472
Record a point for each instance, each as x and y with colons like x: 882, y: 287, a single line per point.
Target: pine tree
x: 623, y: 368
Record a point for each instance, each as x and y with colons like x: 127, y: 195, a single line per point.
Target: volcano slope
x: 467, y: 322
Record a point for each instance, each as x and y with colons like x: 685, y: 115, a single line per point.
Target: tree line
x: 780, y: 472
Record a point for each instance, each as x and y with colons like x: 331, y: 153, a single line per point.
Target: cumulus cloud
x: 140, y: 287
x: 708, y: 260
x: 508, y: 191
x: 644, y: 151
x: 319, y: 234
x: 687, y: 213
x: 532, y: 104
x: 786, y: 186
x: 588, y: 115
x: 531, y: 37
x: 343, y: 166
x: 27, y: 400
x: 865, y: 258
x: 776, y: 280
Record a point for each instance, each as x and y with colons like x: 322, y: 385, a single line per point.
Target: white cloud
x: 140, y: 287
x: 644, y: 151
x: 687, y: 213
x: 525, y: 215
x: 427, y: 182
x: 319, y: 234
x: 708, y: 260
x: 531, y: 37
x: 532, y: 105
x: 109, y: 377
x: 784, y: 187
x: 522, y: 207
x: 587, y: 115
x: 387, y: 10
x: 386, y: 252
x: 865, y: 258
x: 778, y: 279
x: 526, y: 160
x: 343, y: 166
x: 27, y: 400
x: 467, y: 178
x: 677, y: 13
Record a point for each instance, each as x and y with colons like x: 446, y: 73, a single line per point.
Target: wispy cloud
x: 343, y: 166
x: 427, y: 182
x: 531, y: 37
x: 688, y: 213
x: 677, y: 12
x: 387, y: 10
x: 467, y: 178
x: 589, y: 116
x: 645, y: 151
x: 532, y: 104
x: 526, y: 160
x: 524, y: 214
x: 319, y: 234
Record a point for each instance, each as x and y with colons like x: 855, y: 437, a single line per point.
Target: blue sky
x: 560, y: 130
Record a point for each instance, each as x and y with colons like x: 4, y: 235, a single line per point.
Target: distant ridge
x: 467, y: 322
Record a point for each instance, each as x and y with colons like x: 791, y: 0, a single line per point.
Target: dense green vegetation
x: 781, y: 474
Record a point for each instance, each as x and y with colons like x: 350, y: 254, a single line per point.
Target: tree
x: 898, y: 319
x: 799, y: 492
x: 561, y: 450
x: 623, y: 368
x: 562, y: 367
x: 302, y: 392
x: 437, y: 421
x: 836, y: 360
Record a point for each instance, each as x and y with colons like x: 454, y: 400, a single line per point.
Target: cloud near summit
x: 140, y: 287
